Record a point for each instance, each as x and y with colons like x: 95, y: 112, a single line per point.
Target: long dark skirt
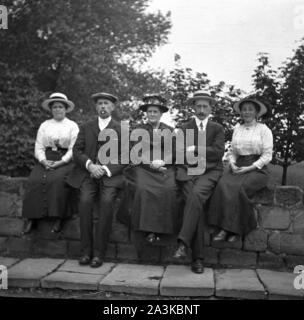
x: 47, y: 194
x: 155, y: 201
x: 230, y: 207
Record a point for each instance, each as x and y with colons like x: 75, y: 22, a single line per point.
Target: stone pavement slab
x: 280, y: 284
x: 71, y: 281
x: 28, y: 272
x: 73, y: 266
x: 7, y: 261
x: 238, y: 283
x: 72, y: 276
x: 181, y: 281
x: 134, y: 279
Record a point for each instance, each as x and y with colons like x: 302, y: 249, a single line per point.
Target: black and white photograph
x: 151, y: 154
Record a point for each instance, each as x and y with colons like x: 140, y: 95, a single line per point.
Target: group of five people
x: 162, y: 188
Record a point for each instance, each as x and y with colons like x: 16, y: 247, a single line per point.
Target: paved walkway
x: 150, y: 280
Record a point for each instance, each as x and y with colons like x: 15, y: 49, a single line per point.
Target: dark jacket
x: 86, y: 147
x: 215, y: 148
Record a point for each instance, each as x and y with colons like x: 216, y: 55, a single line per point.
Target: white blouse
x: 256, y: 139
x: 53, y: 133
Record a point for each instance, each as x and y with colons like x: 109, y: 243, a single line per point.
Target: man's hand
x: 47, y: 164
x: 157, y: 164
x: 96, y: 170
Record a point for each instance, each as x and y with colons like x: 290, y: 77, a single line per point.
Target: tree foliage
x: 283, y: 91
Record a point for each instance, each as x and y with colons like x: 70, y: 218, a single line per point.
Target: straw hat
x: 58, y: 97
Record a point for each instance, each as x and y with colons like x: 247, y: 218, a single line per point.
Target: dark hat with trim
x: 201, y: 95
x: 58, y: 97
x: 154, y: 100
x: 104, y: 95
x: 261, y: 106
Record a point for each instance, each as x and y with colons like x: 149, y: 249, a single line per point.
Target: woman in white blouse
x: 251, y: 150
x: 47, y: 193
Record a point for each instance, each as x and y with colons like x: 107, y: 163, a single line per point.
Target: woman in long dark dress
x: 154, y: 203
x: 47, y: 193
x: 231, y: 209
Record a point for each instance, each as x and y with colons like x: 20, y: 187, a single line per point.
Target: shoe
x: 197, y: 266
x: 152, y: 237
x: 28, y: 226
x: 84, y: 260
x: 96, y: 262
x: 181, y: 252
x: 57, y: 226
x: 221, y: 236
x: 233, y: 238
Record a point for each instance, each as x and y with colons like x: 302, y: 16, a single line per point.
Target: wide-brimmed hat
x: 201, y: 95
x: 58, y: 97
x: 262, y: 108
x: 154, y: 100
x: 104, y: 95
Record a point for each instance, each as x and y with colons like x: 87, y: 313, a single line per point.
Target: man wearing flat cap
x: 93, y: 178
x: 197, y: 187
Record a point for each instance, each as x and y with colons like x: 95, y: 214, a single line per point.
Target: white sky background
x: 223, y: 37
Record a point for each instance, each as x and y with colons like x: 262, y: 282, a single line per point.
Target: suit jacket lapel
x: 95, y: 127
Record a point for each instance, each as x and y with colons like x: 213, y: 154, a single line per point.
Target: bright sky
x: 223, y: 37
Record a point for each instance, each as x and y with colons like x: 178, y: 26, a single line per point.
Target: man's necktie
x: 201, y: 126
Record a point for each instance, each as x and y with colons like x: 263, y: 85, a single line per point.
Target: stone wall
x: 277, y: 243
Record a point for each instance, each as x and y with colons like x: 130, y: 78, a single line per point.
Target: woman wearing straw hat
x: 251, y: 150
x: 154, y: 202
x: 47, y: 194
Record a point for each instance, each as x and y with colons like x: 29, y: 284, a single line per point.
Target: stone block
x: 119, y: 233
x: 298, y: 221
x: 134, y: 279
x: 71, y: 229
x: 74, y: 249
x: 3, y: 247
x: 50, y: 248
x: 280, y: 285
x: 288, y: 196
x: 11, y: 204
x: 29, y: 272
x: 8, y: 261
x: 227, y: 245
x: 293, y: 261
x: 71, y: 281
x: 73, y: 266
x: 237, y: 258
x: 292, y: 244
x: 276, y: 218
x: 11, y: 226
x: 126, y: 252
x: 19, y: 245
x: 264, y: 196
x: 256, y: 240
x: 238, y: 283
x: 270, y: 261
x: 180, y: 281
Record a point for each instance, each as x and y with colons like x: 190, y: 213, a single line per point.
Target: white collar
x: 105, y: 121
x: 198, y: 122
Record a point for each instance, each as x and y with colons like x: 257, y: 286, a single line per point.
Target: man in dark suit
x: 94, y: 178
x: 197, y: 187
